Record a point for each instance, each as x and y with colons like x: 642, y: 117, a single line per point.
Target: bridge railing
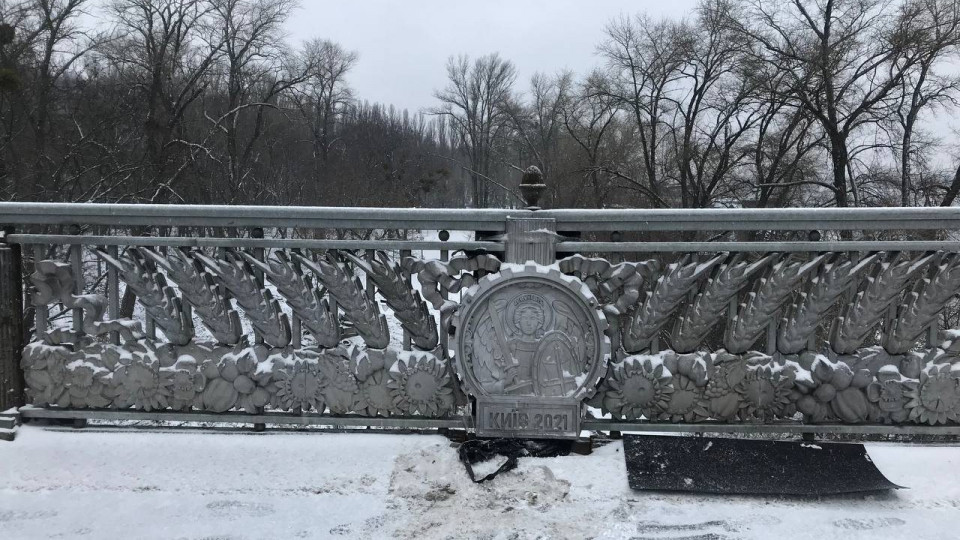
x: 717, y: 319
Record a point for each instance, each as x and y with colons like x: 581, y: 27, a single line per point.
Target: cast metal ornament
x: 530, y: 345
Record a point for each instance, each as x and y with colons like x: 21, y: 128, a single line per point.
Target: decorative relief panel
x: 530, y: 332
x: 526, y: 337
x: 833, y: 337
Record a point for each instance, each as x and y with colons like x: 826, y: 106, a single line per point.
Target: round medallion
x: 530, y: 331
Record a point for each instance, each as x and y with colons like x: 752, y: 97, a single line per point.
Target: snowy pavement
x: 107, y: 484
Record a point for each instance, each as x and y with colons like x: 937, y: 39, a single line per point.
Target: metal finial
x: 532, y: 186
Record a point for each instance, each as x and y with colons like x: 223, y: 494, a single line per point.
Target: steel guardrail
x: 279, y: 243
x: 484, y: 219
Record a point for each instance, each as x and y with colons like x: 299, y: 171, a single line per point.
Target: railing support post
x: 531, y: 238
x: 11, y: 324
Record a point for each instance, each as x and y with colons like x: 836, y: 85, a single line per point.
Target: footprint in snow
x: 240, y: 508
x: 11, y: 515
x: 341, y: 530
x: 653, y: 527
x: 868, y: 523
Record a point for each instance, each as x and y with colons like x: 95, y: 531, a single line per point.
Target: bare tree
x: 587, y: 117
x: 785, y: 138
x: 538, y: 123
x: 937, y: 27
x: 165, y: 51
x: 324, y: 94
x: 476, y: 101
x: 48, y: 44
x: 644, y: 58
x: 845, y: 60
x: 256, y: 67
x: 715, y: 105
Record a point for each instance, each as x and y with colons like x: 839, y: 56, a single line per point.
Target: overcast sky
x: 404, y: 45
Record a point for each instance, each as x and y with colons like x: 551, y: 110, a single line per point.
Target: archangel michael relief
x: 529, y: 336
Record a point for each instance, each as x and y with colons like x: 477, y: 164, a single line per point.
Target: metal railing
x: 486, y: 219
x: 131, y: 240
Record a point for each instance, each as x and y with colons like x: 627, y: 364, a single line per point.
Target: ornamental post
x: 531, y: 238
x: 11, y: 324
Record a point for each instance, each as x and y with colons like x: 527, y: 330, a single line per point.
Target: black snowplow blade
x: 738, y: 466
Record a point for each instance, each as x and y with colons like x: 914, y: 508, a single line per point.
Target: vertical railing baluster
x: 113, y: 293
x: 617, y: 257
x: 76, y: 265
x: 334, y: 307
x: 151, y: 324
x: 296, y: 326
x: 772, y: 333
x: 732, y: 314
x: 42, y: 313
x: 933, y: 334
x: 444, y: 256
x: 406, y: 335
x: 335, y: 311
x: 889, y: 319
x: 187, y: 311
x: 258, y: 253
x: 371, y: 286
x: 814, y: 236
x: 222, y: 291
x: 219, y: 253
x: 151, y: 328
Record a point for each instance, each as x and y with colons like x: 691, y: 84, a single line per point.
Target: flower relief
x: 376, y: 397
x: 139, y: 382
x: 419, y: 383
x: 86, y: 384
x: 237, y: 377
x: 936, y: 399
x: 639, y: 386
x: 299, y: 385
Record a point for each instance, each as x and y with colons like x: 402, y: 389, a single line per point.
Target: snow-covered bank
x: 95, y: 484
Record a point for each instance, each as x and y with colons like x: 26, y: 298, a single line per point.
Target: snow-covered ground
x: 61, y: 483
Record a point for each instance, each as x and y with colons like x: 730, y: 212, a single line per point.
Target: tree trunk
x: 905, y: 186
x: 839, y: 157
x: 953, y: 190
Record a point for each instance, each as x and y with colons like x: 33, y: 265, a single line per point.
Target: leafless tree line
x: 743, y: 103
x: 197, y: 101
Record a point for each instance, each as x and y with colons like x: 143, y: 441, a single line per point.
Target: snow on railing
x: 836, y: 328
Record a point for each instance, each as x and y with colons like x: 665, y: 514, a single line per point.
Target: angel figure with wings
x: 529, y: 345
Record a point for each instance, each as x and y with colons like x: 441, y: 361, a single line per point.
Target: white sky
x: 404, y: 45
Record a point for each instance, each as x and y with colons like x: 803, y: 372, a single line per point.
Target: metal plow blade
x: 737, y: 466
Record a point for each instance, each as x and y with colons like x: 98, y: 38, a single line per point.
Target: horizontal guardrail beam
x: 691, y: 247
x: 255, y: 216
x: 311, y: 419
x: 306, y: 419
x: 483, y: 219
x: 756, y: 219
x: 282, y: 243
x: 562, y: 247
x: 796, y: 428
